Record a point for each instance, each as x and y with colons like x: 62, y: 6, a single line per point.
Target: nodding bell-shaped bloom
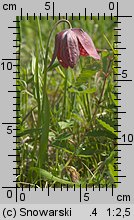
x: 72, y: 43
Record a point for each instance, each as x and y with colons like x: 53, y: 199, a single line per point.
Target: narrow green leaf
x: 64, y: 124
x: 111, y: 158
x: 46, y: 175
x: 86, y: 91
x: 101, y: 133
x: 29, y: 132
x: 107, y: 127
x: 113, y: 173
x: 64, y: 136
x: 110, y: 45
x: 43, y: 148
x: 89, y: 152
x: 114, y: 99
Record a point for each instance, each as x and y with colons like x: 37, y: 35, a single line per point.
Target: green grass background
x: 81, y: 138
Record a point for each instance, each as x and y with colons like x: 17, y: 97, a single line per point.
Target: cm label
x: 123, y: 198
x: 9, y: 7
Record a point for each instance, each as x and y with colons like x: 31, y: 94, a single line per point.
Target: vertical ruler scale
x: 13, y: 65
x: 14, y: 188
x: 117, y: 94
x: 17, y: 96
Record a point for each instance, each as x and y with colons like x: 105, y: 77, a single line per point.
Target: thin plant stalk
x: 65, y: 94
x: 45, y: 110
x: 40, y: 37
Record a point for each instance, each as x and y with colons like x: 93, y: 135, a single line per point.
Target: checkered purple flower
x: 72, y: 43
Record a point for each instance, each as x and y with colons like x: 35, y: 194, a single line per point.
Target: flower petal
x: 86, y: 44
x: 55, y: 50
x: 70, y: 49
x: 57, y: 46
x: 82, y: 50
x: 61, y: 50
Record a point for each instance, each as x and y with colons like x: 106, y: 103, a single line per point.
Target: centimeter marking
x: 61, y: 188
x: 18, y: 92
x: 117, y: 16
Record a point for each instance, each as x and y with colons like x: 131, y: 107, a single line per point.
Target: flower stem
x: 40, y: 37
x: 65, y: 93
x: 45, y: 109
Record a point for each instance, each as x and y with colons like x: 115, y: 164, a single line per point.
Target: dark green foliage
x: 80, y: 105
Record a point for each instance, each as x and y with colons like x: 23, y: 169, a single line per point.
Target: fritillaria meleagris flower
x: 72, y: 43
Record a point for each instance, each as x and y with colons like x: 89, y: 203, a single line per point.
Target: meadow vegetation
x: 78, y: 109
